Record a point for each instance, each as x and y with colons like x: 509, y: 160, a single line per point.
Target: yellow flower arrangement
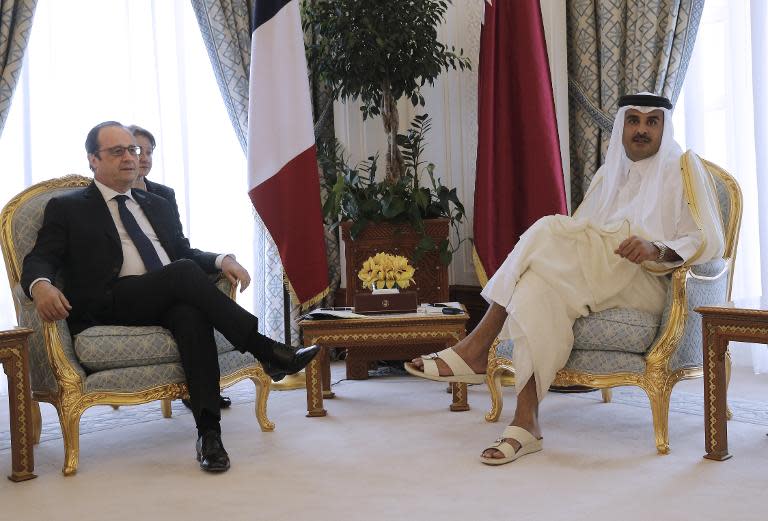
x: 385, y: 270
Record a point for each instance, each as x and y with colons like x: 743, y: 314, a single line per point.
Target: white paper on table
x: 432, y: 309
x: 332, y: 314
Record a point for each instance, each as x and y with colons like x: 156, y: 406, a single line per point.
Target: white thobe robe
x: 560, y: 270
x: 565, y: 267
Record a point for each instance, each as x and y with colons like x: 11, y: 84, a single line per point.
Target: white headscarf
x: 654, y: 191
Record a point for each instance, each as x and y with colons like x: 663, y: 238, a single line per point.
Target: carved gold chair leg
x: 728, y: 368
x: 263, y: 385
x: 660, y: 410
x: 165, y: 407
x: 607, y: 394
x: 69, y: 419
x: 37, y: 422
x: 493, y: 380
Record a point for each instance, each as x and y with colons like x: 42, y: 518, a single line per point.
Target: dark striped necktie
x: 146, y: 250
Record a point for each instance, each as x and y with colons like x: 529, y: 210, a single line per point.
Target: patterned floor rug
x: 747, y: 411
x: 105, y: 418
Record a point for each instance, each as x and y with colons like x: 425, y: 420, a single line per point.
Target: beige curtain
x: 15, y: 24
x: 617, y: 47
x: 226, y: 29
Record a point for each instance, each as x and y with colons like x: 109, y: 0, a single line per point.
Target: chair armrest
x: 707, y: 284
x: 678, y: 342
x: 223, y: 283
x: 51, y: 352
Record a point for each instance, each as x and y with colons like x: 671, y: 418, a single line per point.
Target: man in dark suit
x: 147, y: 143
x: 123, y: 260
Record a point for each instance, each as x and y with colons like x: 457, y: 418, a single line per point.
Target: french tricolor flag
x: 283, y: 177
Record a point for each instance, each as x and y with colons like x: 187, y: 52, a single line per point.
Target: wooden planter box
x: 431, y: 276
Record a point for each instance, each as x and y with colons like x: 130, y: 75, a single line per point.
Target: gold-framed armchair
x: 626, y: 347
x: 103, y: 365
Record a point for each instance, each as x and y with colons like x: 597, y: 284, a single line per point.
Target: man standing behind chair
x: 124, y: 261
x: 147, y: 144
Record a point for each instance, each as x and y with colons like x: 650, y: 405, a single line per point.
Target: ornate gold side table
x: 403, y: 336
x: 741, y: 321
x: 13, y: 356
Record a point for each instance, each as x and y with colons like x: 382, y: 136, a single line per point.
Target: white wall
x: 452, y: 103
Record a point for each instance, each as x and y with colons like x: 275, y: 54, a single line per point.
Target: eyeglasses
x: 119, y: 150
x: 146, y: 151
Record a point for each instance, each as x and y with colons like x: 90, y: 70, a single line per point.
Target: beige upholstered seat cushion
x: 111, y: 347
x: 616, y: 329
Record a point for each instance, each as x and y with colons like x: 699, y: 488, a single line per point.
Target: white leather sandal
x: 528, y: 444
x: 462, y: 373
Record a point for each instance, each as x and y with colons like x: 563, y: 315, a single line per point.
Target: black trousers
x: 181, y: 298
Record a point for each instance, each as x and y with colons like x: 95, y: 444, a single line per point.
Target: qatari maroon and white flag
x: 283, y: 178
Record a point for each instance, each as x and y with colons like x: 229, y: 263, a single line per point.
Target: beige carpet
x: 390, y: 449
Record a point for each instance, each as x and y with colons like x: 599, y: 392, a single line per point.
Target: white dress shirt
x: 132, y: 263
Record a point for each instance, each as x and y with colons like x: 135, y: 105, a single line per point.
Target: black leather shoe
x: 224, y: 402
x: 211, y: 453
x: 283, y: 360
x: 273, y: 372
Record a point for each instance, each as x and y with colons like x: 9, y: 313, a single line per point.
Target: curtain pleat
x: 616, y: 47
x: 15, y: 25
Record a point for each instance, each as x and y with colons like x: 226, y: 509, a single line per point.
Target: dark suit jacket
x: 166, y: 192
x: 78, y: 243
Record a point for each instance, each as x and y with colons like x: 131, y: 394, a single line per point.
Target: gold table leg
x: 314, y: 385
x: 20, y: 411
x: 715, y: 391
x: 459, y: 397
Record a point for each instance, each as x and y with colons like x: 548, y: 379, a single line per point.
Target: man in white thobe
x: 644, y: 214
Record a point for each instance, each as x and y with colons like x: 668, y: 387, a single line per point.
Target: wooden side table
x: 418, y: 330
x: 741, y: 321
x: 13, y: 356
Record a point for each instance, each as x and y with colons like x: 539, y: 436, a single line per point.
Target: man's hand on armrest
x: 636, y: 249
x: 50, y: 302
x: 235, y: 272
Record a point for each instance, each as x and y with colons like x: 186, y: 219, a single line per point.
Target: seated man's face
x: 642, y: 133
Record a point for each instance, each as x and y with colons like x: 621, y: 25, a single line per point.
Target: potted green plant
x: 378, y: 51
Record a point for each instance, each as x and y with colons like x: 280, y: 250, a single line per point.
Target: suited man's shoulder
x: 154, y: 199
x: 166, y: 192
x: 76, y: 197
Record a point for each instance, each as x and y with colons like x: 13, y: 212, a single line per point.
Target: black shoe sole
x: 214, y: 470
x: 224, y: 403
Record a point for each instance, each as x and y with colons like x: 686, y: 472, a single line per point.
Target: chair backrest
x: 20, y: 221
x: 22, y: 217
x: 706, y: 280
x: 730, y: 199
